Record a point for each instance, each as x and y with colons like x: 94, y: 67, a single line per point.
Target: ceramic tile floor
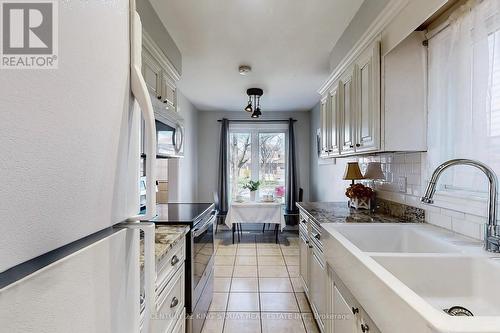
x: 257, y: 287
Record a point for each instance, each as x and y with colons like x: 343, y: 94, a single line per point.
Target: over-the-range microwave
x: 169, y: 140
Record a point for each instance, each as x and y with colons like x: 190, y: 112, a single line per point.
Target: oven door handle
x: 198, y: 231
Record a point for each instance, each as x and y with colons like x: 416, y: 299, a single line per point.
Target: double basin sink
x: 417, y: 277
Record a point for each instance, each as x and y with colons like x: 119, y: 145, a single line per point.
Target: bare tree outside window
x: 240, y: 162
x: 268, y: 166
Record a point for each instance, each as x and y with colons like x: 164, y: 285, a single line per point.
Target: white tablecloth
x: 255, y: 212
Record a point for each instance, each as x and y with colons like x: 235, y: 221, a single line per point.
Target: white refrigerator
x: 69, y: 168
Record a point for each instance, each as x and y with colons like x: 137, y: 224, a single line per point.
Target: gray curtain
x: 223, y: 180
x: 291, y: 174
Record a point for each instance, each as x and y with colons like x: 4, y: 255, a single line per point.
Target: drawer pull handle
x: 364, y: 328
x: 355, y: 310
x: 175, y: 301
x: 174, y: 260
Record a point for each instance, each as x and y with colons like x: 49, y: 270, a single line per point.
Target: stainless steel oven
x: 202, y: 265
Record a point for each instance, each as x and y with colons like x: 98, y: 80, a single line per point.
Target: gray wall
x: 208, y: 147
x: 183, y: 173
x: 364, y: 17
x: 155, y: 28
x: 325, y: 179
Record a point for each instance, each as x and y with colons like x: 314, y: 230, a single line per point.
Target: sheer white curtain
x: 464, y: 93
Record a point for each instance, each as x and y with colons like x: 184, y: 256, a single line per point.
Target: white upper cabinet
x: 324, y: 127
x: 333, y: 109
x: 373, y: 113
x: 368, y: 100
x: 151, y: 71
x: 347, y: 111
x: 159, y: 74
x: 353, y: 120
x: 405, y: 95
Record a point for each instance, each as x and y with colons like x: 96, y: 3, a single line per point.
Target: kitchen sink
x: 398, y: 238
x: 412, y: 277
x: 449, y: 281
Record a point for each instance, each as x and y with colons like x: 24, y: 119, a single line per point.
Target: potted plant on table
x: 252, y: 186
x: 360, y: 196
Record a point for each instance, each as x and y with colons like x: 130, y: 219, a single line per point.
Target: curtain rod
x: 258, y: 121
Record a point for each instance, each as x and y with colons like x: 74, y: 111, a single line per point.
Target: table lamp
x: 374, y: 171
x: 352, y: 172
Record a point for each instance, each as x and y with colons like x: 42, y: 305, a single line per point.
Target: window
x: 257, y: 154
x: 464, y: 95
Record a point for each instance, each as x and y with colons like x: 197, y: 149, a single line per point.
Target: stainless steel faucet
x: 492, y: 233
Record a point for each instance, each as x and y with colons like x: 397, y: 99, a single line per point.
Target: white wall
x: 183, y: 172
x: 208, y: 147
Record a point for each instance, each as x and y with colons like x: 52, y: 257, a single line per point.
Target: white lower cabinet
x: 318, y: 288
x: 346, y: 314
x: 343, y: 320
x: 304, y: 253
x: 170, y: 290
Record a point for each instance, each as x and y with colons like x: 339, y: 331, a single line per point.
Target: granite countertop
x: 166, y: 237
x: 339, y: 212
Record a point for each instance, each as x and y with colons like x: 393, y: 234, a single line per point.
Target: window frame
x: 254, y: 130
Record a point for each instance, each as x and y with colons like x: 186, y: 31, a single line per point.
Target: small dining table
x: 255, y: 212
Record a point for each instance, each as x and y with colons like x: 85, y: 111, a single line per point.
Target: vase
x: 252, y: 195
x: 360, y: 203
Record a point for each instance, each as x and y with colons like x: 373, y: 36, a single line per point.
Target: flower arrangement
x: 360, y: 196
x: 279, y: 191
x: 252, y: 185
x: 359, y: 191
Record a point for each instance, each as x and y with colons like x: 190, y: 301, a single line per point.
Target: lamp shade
x: 352, y: 171
x: 374, y: 171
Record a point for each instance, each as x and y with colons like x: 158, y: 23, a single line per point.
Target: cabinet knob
x: 354, y: 310
x: 358, y: 144
x: 317, y: 236
x: 364, y: 328
x: 310, y: 246
x: 175, y: 301
x: 159, y: 97
x: 174, y: 260
x: 351, y: 146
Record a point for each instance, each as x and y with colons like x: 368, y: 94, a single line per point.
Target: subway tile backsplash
x: 405, y: 180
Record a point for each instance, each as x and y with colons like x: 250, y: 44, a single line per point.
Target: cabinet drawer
x: 168, y: 265
x: 170, y: 303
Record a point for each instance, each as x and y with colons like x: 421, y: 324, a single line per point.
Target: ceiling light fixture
x: 254, y: 95
x: 244, y: 69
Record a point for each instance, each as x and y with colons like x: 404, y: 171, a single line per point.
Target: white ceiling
x: 287, y: 43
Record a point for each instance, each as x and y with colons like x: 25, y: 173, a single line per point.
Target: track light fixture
x: 254, y: 95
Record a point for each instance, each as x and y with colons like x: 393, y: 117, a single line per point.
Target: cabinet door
x: 368, y: 100
x: 333, y: 108
x: 318, y: 288
x: 324, y: 127
x: 344, y: 321
x: 168, y: 94
x: 304, y: 262
x: 347, y: 111
x: 151, y: 71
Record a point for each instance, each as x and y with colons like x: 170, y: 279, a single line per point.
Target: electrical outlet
x: 402, y: 184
